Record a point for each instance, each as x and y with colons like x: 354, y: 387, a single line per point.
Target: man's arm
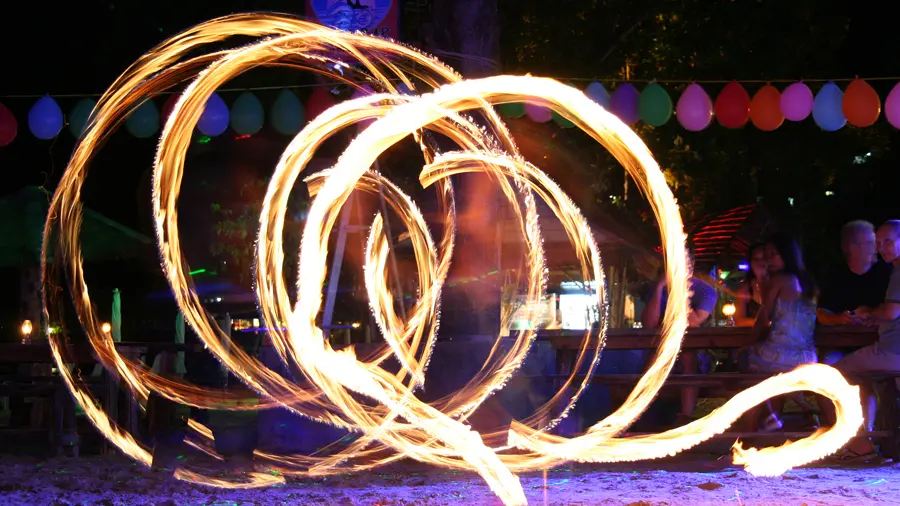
x: 652, y: 311
x: 703, y: 303
x: 888, y: 310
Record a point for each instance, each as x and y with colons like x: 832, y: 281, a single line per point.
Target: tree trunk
x: 465, y: 34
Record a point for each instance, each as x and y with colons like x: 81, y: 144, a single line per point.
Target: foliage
x: 236, y: 226
x: 684, y: 40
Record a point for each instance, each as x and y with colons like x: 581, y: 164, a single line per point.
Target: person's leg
x: 689, y: 365
x: 869, y: 358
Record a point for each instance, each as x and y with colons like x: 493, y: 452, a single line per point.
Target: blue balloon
x: 596, y: 92
x: 143, y: 121
x: 828, y: 106
x: 214, y: 120
x: 247, y: 115
x: 288, y: 114
x: 78, y: 118
x: 45, y: 119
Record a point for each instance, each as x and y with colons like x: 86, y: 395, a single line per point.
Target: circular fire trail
x: 339, y: 388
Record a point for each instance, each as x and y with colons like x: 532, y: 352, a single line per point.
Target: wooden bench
x: 725, y: 384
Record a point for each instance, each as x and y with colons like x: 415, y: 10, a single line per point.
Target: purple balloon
x: 596, y: 92
x: 537, y: 113
x: 624, y: 103
x: 695, y: 109
x: 796, y: 102
x: 892, y: 106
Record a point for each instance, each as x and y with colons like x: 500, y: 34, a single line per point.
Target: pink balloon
x: 695, y: 109
x: 796, y: 102
x: 537, y: 113
x: 892, y: 107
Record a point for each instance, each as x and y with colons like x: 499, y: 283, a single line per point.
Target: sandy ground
x: 688, y: 480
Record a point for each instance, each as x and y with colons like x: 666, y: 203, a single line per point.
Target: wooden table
x: 567, y: 342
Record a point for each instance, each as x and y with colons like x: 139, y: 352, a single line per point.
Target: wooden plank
x: 700, y: 338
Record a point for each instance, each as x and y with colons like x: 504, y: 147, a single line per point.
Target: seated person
x: 884, y: 355
x: 703, y: 303
x: 861, y: 281
x: 786, y: 323
x: 749, y: 295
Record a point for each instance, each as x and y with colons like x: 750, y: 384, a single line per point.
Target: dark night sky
x: 80, y: 47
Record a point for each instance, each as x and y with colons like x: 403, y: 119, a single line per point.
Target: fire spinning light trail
x: 394, y: 424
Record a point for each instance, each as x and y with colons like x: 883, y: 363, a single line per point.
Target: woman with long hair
x: 785, y: 325
x: 749, y: 295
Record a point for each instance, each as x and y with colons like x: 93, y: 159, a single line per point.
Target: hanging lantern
x: 765, y: 109
x: 143, y: 122
x: 287, y: 113
x: 9, y: 127
x: 247, y: 114
x: 828, y: 108
x: 655, y: 105
x: 624, y: 103
x: 796, y: 102
x: 733, y: 106
x: 694, y: 109
x: 45, y: 119
x: 861, y: 105
x: 214, y: 120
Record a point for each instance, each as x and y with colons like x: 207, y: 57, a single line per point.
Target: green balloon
x: 655, y: 105
x: 512, y: 110
x: 562, y: 121
x: 79, y: 116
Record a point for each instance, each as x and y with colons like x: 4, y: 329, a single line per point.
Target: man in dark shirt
x: 861, y: 282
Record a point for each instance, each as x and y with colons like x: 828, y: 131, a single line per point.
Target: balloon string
x: 581, y: 79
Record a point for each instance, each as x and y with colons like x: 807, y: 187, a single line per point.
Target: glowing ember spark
x: 398, y: 424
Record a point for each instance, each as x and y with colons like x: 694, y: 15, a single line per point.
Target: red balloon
x: 733, y: 106
x: 319, y: 101
x: 765, y: 109
x: 168, y: 105
x: 861, y: 105
x: 8, y: 126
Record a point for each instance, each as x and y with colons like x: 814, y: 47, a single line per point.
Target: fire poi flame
x: 397, y: 425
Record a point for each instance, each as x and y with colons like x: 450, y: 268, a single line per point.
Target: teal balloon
x: 143, y: 121
x: 247, y: 114
x: 288, y: 114
x: 512, y: 110
x: 828, y: 108
x: 79, y: 116
x: 561, y: 120
x: 655, y: 105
